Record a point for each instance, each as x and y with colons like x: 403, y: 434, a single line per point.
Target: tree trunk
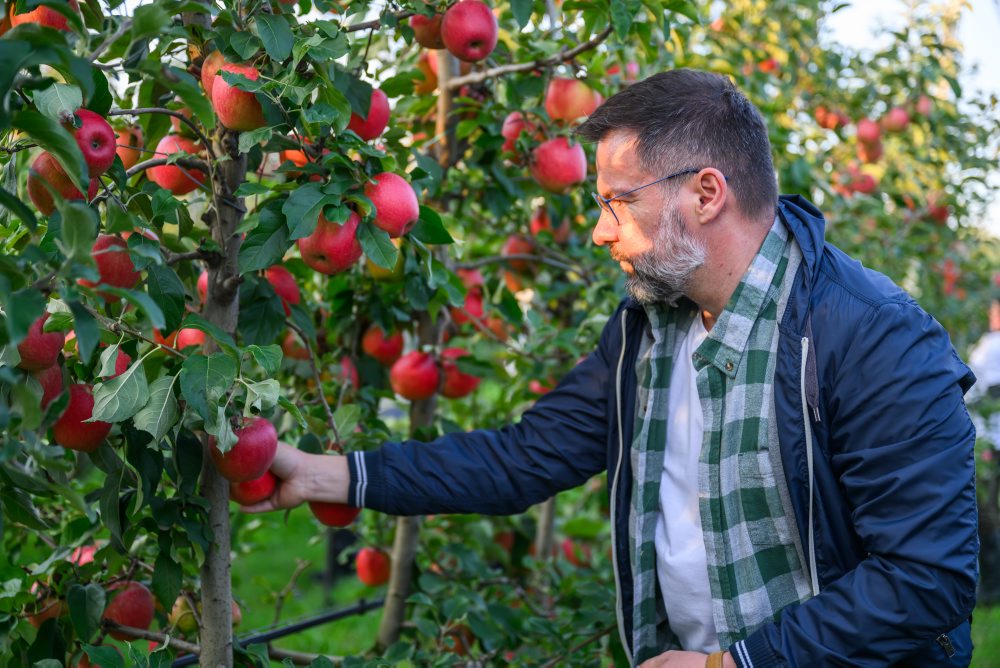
x: 221, y: 309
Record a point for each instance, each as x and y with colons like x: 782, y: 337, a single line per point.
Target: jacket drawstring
x: 813, y: 576
x: 619, y: 613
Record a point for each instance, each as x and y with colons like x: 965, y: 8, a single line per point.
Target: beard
x: 663, y: 273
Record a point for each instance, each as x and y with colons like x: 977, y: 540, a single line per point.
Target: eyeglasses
x: 605, y: 202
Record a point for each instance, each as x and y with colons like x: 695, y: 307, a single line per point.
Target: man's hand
x: 304, y: 477
x: 677, y: 659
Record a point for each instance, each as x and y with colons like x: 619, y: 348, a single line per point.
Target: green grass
x: 270, y: 553
x: 986, y: 637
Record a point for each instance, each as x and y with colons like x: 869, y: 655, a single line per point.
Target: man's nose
x: 606, y: 229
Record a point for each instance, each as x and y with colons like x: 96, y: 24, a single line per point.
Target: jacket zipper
x: 619, y: 613
x: 813, y: 575
x: 946, y: 645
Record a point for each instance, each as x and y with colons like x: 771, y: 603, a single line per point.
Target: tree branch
x: 186, y: 163
x: 541, y: 63
x: 319, y: 382
x: 496, y: 259
x: 300, y: 565
x: 168, y: 112
x: 125, y: 26
x: 200, y: 254
x: 377, y: 23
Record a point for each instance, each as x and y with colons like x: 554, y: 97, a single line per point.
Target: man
x: 790, y: 459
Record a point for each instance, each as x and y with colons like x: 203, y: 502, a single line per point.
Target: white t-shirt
x: 681, y: 563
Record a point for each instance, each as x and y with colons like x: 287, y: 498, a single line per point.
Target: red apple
x: 292, y: 347
x: 46, y: 608
x: 129, y: 146
x: 513, y: 125
x: 540, y: 222
x: 83, y: 555
x: 429, y: 71
x: 396, y: 206
x: 284, y: 285
x: 373, y: 564
x: 189, y: 336
x: 385, y: 349
x: 374, y: 122
x: 415, y: 376
x: 768, y: 65
x: 896, y: 120
x: 924, y: 106
x: 870, y: 152
x: 471, y: 278
x: 176, y: 179
x: 122, y: 362
x: 132, y: 605
x: 569, y: 99
x: 469, y: 30
x: 473, y: 307
x: 40, y: 350
x: 96, y: 140
x: 209, y: 68
x: 868, y: 131
x: 537, y: 387
x: 51, y: 380
x: 114, y: 264
x: 43, y: 16
x: 252, y: 454
x: 333, y: 514
x: 456, y: 383
x: 237, y: 109
x: 865, y: 183
x: 203, y: 286
x: 631, y: 70
x: 348, y: 373
x: 427, y: 30
x: 168, y: 340
x: 937, y: 208
x: 556, y: 165
x: 253, y: 491
x: 46, y: 172
x: 71, y: 431
x: 578, y: 555
x: 517, y: 245
x: 332, y: 247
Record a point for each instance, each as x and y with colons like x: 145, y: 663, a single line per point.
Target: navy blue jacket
x: 880, y: 400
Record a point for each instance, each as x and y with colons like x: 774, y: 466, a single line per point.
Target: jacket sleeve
x: 901, y: 443
x: 559, y: 443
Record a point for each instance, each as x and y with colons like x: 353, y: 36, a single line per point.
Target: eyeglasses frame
x: 604, y: 203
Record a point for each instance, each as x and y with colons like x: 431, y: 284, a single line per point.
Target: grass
x: 986, y: 637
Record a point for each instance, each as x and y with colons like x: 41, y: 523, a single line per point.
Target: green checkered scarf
x: 755, y: 564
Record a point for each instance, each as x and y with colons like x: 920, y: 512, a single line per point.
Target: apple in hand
x: 457, y: 384
x: 132, y: 605
x: 71, y: 429
x: 373, y: 565
x: 237, y: 109
x: 415, y: 376
x: 384, y: 348
x: 469, y: 30
x: 556, y: 164
x: 178, y: 180
x: 45, y: 173
x: 333, y: 514
x: 332, y: 247
x: 253, y: 453
x: 253, y: 491
x: 40, y: 350
x: 375, y: 121
x: 113, y: 264
x: 396, y: 206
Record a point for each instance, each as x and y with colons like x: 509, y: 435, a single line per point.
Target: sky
x: 979, y: 31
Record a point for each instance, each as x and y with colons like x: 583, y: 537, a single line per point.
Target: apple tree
x: 337, y: 223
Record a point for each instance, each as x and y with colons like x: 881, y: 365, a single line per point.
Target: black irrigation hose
x: 267, y: 636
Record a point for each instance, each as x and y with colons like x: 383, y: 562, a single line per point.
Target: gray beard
x: 663, y: 273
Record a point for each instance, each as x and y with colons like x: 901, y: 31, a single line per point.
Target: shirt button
x: 729, y: 366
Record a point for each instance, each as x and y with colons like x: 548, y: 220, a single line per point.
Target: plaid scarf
x: 755, y: 563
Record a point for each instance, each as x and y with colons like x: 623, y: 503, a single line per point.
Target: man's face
x: 649, y: 239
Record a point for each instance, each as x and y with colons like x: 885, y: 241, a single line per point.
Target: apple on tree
x: 517, y: 244
x: 469, y: 30
x: 44, y: 16
x: 253, y: 491
x: 567, y: 100
x: 253, y: 453
x: 541, y: 222
x: 375, y: 121
x: 51, y: 380
x: 332, y: 247
x: 96, y: 140
x: 415, y: 376
x: 396, y: 206
x: 72, y: 430
x: 386, y: 349
x: 373, y: 566
x: 473, y: 308
x: 427, y: 30
x: 457, y: 384
x: 292, y: 347
x: 130, y: 604
x: 114, y: 264
x: 237, y: 109
x: 46, y: 176
x: 285, y: 286
x: 209, y: 68
x: 178, y: 180
x: 39, y: 349
x: 129, y: 146
x: 557, y: 165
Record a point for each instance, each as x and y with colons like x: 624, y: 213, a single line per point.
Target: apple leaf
x: 265, y: 244
x: 244, y: 43
x: 106, y: 362
x: 252, y: 138
x: 79, y: 230
x: 242, y: 82
x: 275, y: 34
x: 268, y: 357
x: 205, y: 379
x: 121, y: 397
x: 18, y: 508
x: 622, y: 13
x: 110, y: 505
x: 262, y: 395
x: 141, y: 300
x: 377, y: 246
x: 221, y: 337
x: 220, y: 428
x: 104, y: 655
x: 294, y: 411
x: 27, y: 400
x: 160, y: 412
x: 86, y: 605
x: 85, y: 327
x: 149, y: 21
x: 347, y: 418
x: 165, y: 288
x: 522, y: 11
x: 302, y: 209
x: 54, y: 138
x: 58, y: 101
x: 262, y: 316
x: 167, y: 578
x: 189, y: 90
x: 17, y: 207
x: 430, y: 229
x: 22, y: 309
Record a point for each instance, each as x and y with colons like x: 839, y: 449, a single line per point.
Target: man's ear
x: 712, y: 190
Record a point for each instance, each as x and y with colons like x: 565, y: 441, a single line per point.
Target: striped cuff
x: 754, y: 652
x: 359, y: 479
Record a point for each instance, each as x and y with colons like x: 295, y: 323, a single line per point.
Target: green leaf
x: 111, y: 508
x: 18, y: 208
x: 106, y: 362
x: 262, y: 316
x: 294, y: 411
x: 303, y: 207
x: 121, y: 397
x: 253, y: 138
x: 58, y: 101
x: 167, y: 579
x: 79, y: 230
x: 19, y: 509
x: 221, y: 337
x: 160, y: 412
x: 220, y: 428
x: 248, y: 188
x: 321, y: 112
x: 262, y: 395
x: 166, y: 289
x: 86, y: 606
x: 100, y: 101
x: 430, y: 229
x: 188, y: 455
x: 205, y: 379
x: 377, y: 246
x: 241, y: 82
x: 622, y: 12
x: 149, y: 21
x: 265, y: 244
x: 245, y: 44
x: 268, y: 357
x: 191, y: 94
x: 104, y: 656
x: 22, y: 309
x: 55, y: 139
x: 522, y: 11
x: 275, y: 34
x: 346, y: 418
x: 141, y: 300
x: 27, y: 402
x: 85, y: 326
